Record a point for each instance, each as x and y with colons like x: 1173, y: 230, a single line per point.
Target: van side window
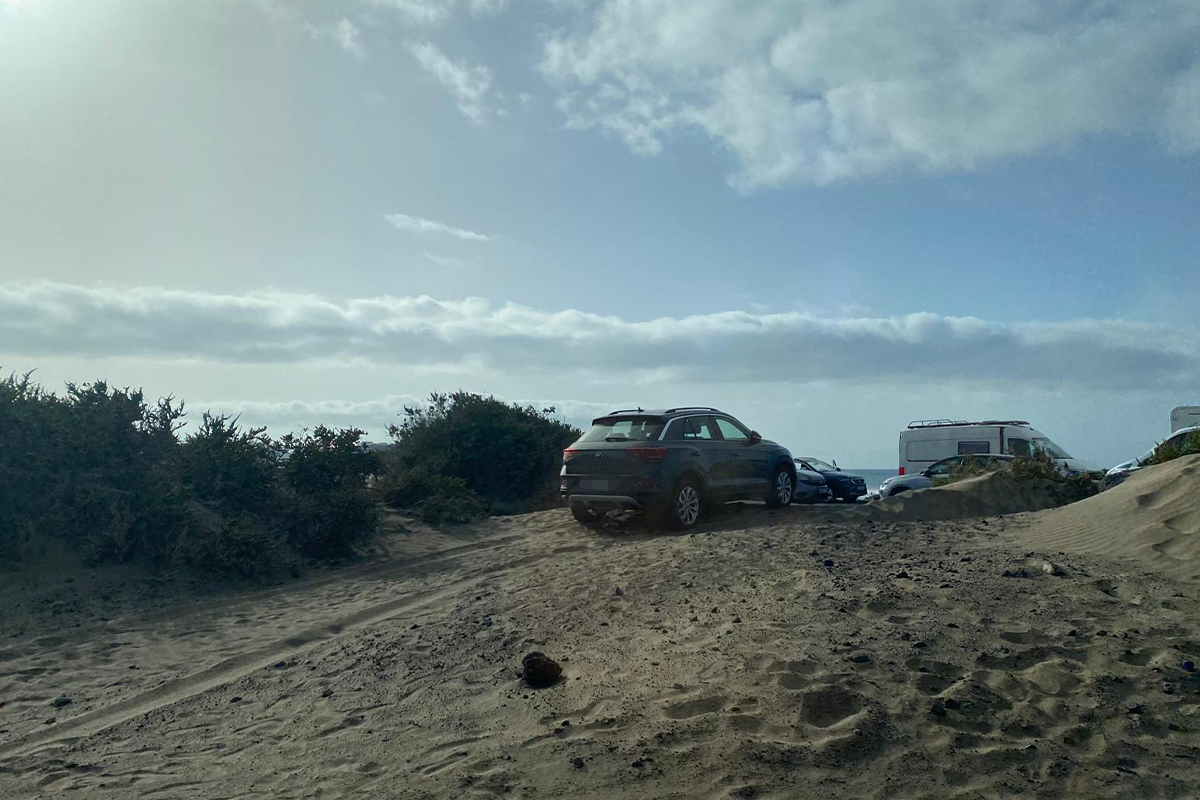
x: 1020, y: 448
x: 972, y: 448
x: 925, y: 450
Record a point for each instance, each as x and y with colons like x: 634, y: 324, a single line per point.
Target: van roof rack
x: 946, y: 423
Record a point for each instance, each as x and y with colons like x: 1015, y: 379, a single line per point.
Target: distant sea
x: 873, y: 477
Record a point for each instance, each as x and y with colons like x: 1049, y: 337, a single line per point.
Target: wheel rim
x: 783, y: 487
x: 687, y: 505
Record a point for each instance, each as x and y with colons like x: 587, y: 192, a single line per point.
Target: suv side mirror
x: 755, y: 437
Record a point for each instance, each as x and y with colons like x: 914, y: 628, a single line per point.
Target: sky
x: 827, y: 217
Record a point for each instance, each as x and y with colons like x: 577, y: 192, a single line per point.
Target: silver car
x: 1123, y: 470
x: 938, y: 471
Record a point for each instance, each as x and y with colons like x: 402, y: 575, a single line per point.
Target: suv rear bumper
x: 608, y: 501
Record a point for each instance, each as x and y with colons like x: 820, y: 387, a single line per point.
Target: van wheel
x: 684, y: 505
x: 782, y: 489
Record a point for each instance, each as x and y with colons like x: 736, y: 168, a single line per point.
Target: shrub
x: 325, y: 481
x: 104, y: 472
x: 1065, y: 488
x: 974, y: 467
x: 505, y: 454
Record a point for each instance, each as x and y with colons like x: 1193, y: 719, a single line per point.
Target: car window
x: 623, y: 429
x: 1020, y: 447
x: 965, y: 448
x: 698, y: 428
x: 821, y: 466
x: 943, y: 467
x: 731, y: 431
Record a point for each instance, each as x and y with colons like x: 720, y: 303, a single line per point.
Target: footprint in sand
x: 826, y: 706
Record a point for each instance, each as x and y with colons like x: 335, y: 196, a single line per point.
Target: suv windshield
x: 624, y: 429
x: 819, y: 465
x: 1050, y: 448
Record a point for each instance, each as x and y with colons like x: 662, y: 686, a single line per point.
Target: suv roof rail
x: 945, y: 423
x: 637, y: 410
x: 693, y: 408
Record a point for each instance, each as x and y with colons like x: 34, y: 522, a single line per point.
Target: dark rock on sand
x: 540, y: 670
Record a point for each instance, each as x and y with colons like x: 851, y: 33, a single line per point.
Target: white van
x: 929, y: 440
x: 1184, y: 417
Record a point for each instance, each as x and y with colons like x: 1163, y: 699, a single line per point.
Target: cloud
x: 372, y: 415
x: 419, y: 12
x: 468, y: 84
x: 406, y: 223
x: 730, y: 347
x: 344, y: 33
x: 818, y: 91
x: 448, y: 261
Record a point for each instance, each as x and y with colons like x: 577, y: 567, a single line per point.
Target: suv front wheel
x: 782, y: 489
x: 684, y: 505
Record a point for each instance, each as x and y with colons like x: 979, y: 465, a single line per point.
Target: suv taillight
x: 569, y: 453
x: 648, y: 453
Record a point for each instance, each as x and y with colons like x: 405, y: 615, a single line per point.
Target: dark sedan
x: 843, y: 485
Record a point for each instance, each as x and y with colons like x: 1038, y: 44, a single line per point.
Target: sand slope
x: 1154, y: 518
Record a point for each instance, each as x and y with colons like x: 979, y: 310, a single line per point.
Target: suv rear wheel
x: 783, y: 487
x: 684, y: 504
x: 586, y: 516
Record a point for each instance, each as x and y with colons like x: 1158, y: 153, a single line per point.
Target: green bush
x: 102, y: 471
x: 1065, y: 488
x: 505, y: 455
x: 325, y: 483
x: 974, y: 467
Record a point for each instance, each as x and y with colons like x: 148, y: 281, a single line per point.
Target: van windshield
x: 1050, y: 448
x: 624, y: 429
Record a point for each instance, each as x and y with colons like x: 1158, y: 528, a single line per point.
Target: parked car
x: 937, y: 472
x: 842, y: 485
x: 927, y: 441
x: 1121, y: 471
x: 672, y: 462
x: 811, y: 486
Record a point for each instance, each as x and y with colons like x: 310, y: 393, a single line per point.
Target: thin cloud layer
x: 405, y: 222
x: 818, y: 91
x: 271, y: 327
x: 468, y: 84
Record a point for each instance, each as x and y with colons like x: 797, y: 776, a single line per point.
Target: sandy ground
x: 798, y: 653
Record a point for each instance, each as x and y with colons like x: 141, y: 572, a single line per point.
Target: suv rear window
x: 624, y: 429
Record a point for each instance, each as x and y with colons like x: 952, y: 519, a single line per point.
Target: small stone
x: 566, y: 723
x: 1189, y: 666
x: 1050, y: 568
x: 828, y: 562
x: 279, y: 664
x: 59, y: 702
x: 577, y: 762
x: 1168, y: 688
x: 860, y: 658
x: 539, y: 670
x: 903, y: 575
x: 235, y: 699
x: 938, y: 709
x: 618, y: 593
x: 1138, y: 709
x: 1072, y: 632
x: 327, y: 693
x: 737, y: 620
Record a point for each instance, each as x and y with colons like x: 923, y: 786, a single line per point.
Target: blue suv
x: 672, y: 462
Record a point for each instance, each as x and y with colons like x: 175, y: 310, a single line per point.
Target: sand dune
x: 768, y: 654
x: 1153, y: 518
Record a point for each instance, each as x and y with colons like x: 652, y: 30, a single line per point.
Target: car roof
x: 666, y: 413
